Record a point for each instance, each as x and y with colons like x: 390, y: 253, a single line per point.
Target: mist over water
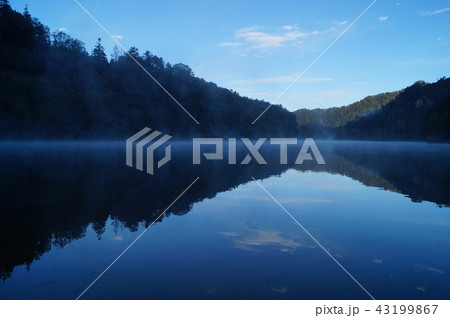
x: 68, y: 209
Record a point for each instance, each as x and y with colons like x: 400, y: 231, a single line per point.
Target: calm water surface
x: 69, y: 209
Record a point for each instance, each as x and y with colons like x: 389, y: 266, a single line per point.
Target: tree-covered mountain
x: 51, y: 87
x: 319, y: 121
x: 418, y: 112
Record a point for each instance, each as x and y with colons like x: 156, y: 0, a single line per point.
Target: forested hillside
x: 51, y: 87
x: 420, y: 112
x: 319, y: 121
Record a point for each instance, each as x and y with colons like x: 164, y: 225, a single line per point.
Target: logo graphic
x: 141, y: 144
x: 141, y: 141
x: 253, y: 150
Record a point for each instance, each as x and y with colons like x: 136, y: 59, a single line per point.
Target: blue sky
x: 259, y: 47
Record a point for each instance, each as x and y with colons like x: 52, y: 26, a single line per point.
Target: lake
x: 380, y: 209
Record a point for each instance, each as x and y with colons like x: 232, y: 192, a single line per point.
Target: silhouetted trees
x: 51, y: 87
x: 99, y: 52
x: 418, y: 112
x: 321, y: 122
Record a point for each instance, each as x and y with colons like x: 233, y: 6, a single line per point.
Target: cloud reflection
x: 252, y: 240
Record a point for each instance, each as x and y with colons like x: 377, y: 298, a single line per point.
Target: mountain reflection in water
x: 51, y: 193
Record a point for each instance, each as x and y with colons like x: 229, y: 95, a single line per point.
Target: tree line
x: 52, y: 87
x: 418, y: 112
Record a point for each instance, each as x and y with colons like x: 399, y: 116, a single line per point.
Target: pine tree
x: 99, y: 51
x: 26, y: 13
x: 134, y: 52
x: 5, y: 4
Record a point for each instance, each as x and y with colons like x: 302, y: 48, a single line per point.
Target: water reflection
x: 50, y: 194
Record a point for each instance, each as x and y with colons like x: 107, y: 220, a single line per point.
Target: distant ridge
x: 313, y: 121
x: 418, y: 112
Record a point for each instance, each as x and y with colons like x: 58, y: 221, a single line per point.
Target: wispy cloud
x: 428, y: 13
x: 62, y: 29
x: 378, y: 261
x: 288, y: 27
x: 382, y: 19
x: 260, y: 37
x: 281, y: 290
x: 257, y: 37
x: 256, y: 239
x: 118, y: 36
x: 429, y: 268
